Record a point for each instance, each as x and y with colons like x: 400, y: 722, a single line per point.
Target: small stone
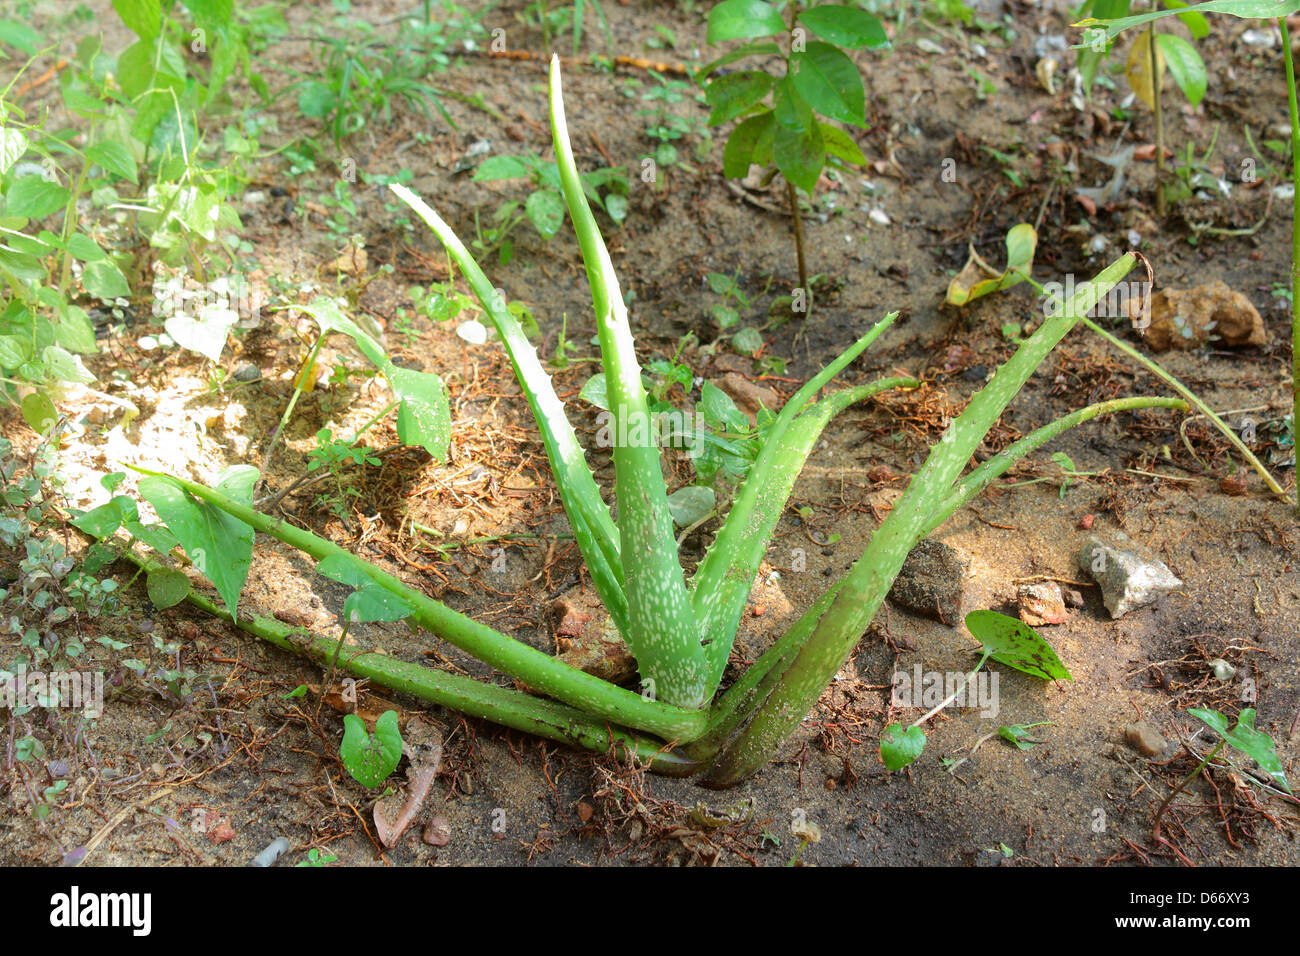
x: 1145, y: 739
x: 437, y: 832
x: 1128, y: 580
x: 1085, y: 523
x: 586, y: 638
x: 1072, y: 597
x: 1184, y: 318
x: 931, y: 582
x: 1222, y: 669
x: 1233, y: 485
x: 1042, y: 604
x: 585, y: 812
x: 248, y: 372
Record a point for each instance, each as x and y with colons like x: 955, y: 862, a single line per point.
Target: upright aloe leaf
x: 593, y: 527
x: 661, y: 628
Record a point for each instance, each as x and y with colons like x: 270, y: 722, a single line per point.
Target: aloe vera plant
x: 680, y: 628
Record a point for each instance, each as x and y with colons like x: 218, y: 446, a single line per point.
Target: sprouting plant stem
x: 797, y: 218
x: 1295, y: 229
x: 1154, y: 53
x: 1155, y: 823
x: 953, y: 696
x: 334, y: 662
x: 1192, y: 400
x: 303, y: 375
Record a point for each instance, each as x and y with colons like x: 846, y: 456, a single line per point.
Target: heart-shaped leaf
x: 167, y: 587
x: 1244, y: 737
x: 220, y: 546
x: 899, y: 747
x: 424, y: 417
x: 370, y: 759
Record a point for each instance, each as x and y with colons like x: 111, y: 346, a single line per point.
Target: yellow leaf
x: 1139, y: 68
x: 307, y: 375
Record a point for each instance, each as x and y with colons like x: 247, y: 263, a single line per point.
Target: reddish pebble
x: 1086, y: 522
x: 1234, y: 485
x: 585, y: 812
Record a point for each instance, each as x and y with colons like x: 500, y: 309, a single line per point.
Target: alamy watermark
x: 929, y: 689
x: 1129, y: 300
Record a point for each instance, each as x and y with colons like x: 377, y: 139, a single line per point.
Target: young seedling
x: 1006, y: 640
x: 779, y: 125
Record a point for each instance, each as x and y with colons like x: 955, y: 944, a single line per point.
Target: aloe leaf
x: 661, y: 629
x: 593, y: 527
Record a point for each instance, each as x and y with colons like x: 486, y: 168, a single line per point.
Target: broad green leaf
x: 545, y: 211
x: 841, y: 145
x: 845, y: 26
x: 744, y: 145
x: 719, y: 410
x: 14, y: 351
x: 74, y: 331
x: 22, y: 265
x: 1016, y: 644
x: 1244, y: 737
x: 899, y: 747
x: 142, y: 17
x: 167, y: 587
x: 1196, y: 24
x: 104, y: 280
x: 831, y: 83
x: 84, y: 248
x: 205, y: 334
x: 1185, y: 65
x: 595, y: 391
x: 330, y: 319
x: 116, y: 159
x: 735, y: 94
x: 689, y: 504
x: 155, y: 536
x: 103, y: 522
x: 979, y: 278
x: 748, y: 341
x: 743, y: 19
x: 211, y: 13
x: 800, y: 155
x: 316, y: 99
x: 12, y: 146
x: 220, y: 546
x: 424, y: 417
x: 62, y: 365
x: 21, y: 36
x: 33, y: 197
x: 370, y: 602
x: 343, y: 569
x: 502, y: 167
x: 371, y: 759
x: 39, y: 412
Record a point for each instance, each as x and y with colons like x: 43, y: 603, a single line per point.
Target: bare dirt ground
x: 153, y: 780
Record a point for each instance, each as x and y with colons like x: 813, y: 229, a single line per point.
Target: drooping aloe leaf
x: 1016, y: 644
x: 1246, y: 9
x: 220, y: 545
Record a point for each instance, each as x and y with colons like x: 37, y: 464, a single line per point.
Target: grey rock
x: 248, y: 372
x: 1145, y: 739
x: 1128, y: 580
x: 931, y: 582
